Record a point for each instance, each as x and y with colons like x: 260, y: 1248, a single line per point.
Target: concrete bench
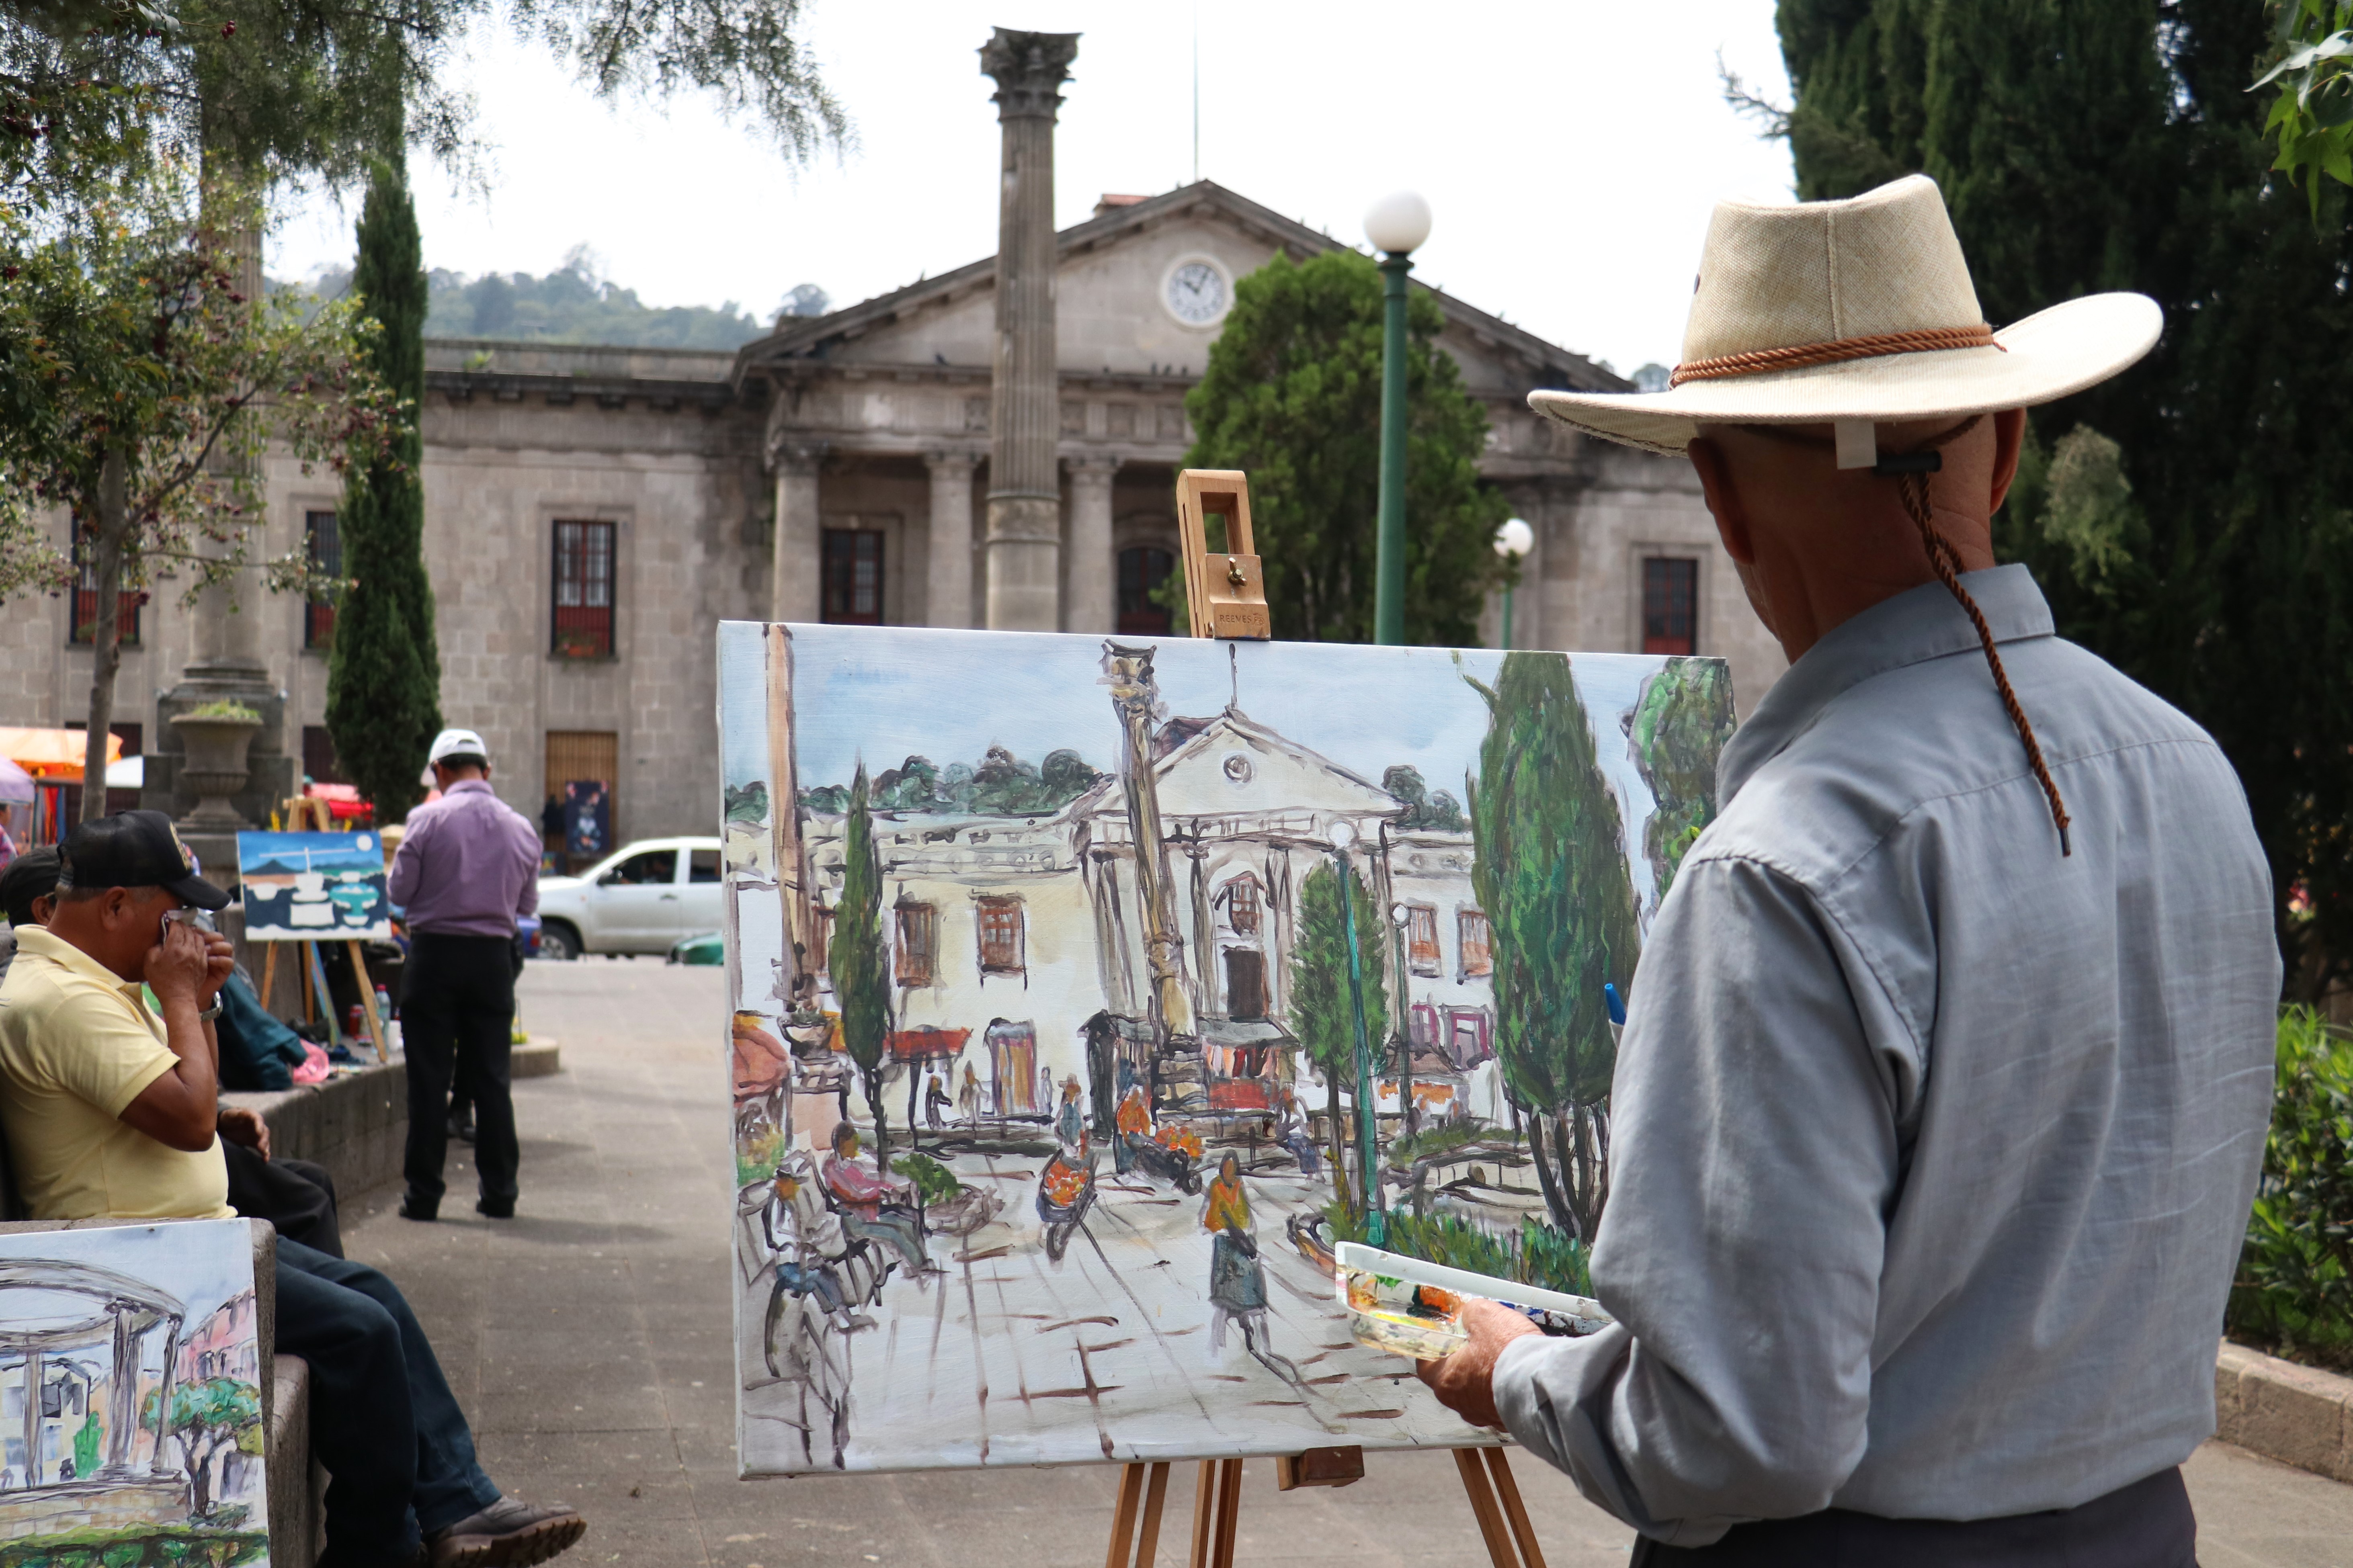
x: 296, y: 1482
x: 355, y: 1124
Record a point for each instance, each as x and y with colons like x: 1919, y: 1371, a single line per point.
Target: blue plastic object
x: 1617, y: 1008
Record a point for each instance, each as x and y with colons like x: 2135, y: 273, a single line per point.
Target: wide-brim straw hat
x: 1857, y: 309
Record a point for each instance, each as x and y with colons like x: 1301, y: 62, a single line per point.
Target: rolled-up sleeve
x: 1753, y: 1153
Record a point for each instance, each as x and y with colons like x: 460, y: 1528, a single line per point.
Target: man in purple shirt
x: 468, y: 865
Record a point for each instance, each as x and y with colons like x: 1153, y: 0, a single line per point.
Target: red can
x: 355, y: 1025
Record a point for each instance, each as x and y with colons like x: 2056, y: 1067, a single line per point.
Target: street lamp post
x: 1397, y: 226
x: 1513, y: 542
x: 1406, y: 1118
x: 1342, y: 834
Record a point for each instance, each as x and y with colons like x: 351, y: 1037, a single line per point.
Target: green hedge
x: 2294, y: 1293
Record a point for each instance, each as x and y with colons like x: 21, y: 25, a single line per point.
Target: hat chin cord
x: 1910, y: 470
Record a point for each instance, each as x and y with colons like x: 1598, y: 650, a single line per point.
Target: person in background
x: 112, y: 1111
x: 467, y: 867
x: 297, y: 1197
x: 7, y: 844
x: 873, y: 1205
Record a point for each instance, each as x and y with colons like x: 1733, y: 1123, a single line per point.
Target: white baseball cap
x: 457, y: 743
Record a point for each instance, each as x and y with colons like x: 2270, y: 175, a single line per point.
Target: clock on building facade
x: 1197, y: 292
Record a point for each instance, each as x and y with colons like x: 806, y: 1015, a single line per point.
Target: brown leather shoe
x: 510, y: 1533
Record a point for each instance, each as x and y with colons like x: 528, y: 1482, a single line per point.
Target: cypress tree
x: 383, y: 673
x: 1322, y: 1011
x: 859, y: 961
x: 2188, y: 520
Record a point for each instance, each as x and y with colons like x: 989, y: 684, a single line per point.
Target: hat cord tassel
x: 1913, y: 487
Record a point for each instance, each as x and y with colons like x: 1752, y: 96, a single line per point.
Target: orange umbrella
x: 53, y: 756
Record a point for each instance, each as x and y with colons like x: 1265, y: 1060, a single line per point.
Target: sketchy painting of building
x: 1061, y: 926
x: 130, y: 1394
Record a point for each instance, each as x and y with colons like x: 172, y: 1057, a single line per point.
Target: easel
x: 1225, y: 595
x: 302, y: 812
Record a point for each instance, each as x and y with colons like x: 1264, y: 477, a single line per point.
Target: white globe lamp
x: 1397, y: 223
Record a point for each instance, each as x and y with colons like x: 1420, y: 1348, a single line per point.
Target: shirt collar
x: 468, y: 787
x: 1916, y: 625
x: 44, y: 943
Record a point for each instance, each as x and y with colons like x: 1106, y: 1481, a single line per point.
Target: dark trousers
x: 295, y: 1195
x: 2147, y: 1524
x: 400, y: 1456
x: 457, y: 1003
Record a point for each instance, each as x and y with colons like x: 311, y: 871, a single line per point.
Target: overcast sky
x: 1570, y: 151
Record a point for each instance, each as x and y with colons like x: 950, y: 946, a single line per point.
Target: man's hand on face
x: 243, y: 1127
x: 179, y: 965
x: 1465, y: 1381
x: 220, y: 957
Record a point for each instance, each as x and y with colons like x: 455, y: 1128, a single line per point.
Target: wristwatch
x: 209, y: 1014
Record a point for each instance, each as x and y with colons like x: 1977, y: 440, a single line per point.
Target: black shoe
x: 417, y: 1208
x: 461, y: 1130
x: 495, y: 1211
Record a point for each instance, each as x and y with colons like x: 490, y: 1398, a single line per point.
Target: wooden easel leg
x: 269, y: 979
x: 1507, y: 1489
x: 367, y: 998
x: 1123, y: 1519
x: 1483, y: 1507
x: 302, y: 964
x: 1230, y: 1508
x: 1205, y: 1512
x: 1147, y: 1543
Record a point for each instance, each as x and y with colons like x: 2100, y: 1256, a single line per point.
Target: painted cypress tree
x: 2196, y: 532
x: 383, y: 673
x: 858, y: 962
x: 1682, y: 720
x: 1550, y: 870
x: 1321, y: 1013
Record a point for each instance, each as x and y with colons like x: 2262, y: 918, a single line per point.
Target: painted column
x: 123, y: 1398
x: 948, y: 583
x: 1135, y: 696
x: 794, y: 589
x: 1094, y: 565
x: 33, y: 1418
x: 1025, y: 524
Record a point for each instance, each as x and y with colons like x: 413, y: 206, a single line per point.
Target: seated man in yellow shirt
x: 113, y: 1111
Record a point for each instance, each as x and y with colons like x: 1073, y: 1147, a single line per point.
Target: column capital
x: 790, y: 455
x: 1093, y: 463
x: 949, y: 460
x: 1030, y: 68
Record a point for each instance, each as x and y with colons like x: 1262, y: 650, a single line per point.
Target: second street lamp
x: 1513, y: 542
x: 1397, y: 226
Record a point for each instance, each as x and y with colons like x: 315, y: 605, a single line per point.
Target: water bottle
x: 382, y: 1004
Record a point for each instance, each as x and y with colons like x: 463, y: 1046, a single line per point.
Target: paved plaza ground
x: 589, y: 1340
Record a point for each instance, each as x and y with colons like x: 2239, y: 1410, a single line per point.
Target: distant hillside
x: 574, y: 305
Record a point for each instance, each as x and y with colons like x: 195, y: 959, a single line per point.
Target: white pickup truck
x: 640, y: 898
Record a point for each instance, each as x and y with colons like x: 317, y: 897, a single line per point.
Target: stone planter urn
x: 215, y: 767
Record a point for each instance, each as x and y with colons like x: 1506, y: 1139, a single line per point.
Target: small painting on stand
x: 313, y: 887
x: 131, y: 1375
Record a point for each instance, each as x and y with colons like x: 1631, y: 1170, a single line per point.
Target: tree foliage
x: 2106, y: 144
x: 208, y: 1415
x: 2311, y: 109
x: 859, y: 962
x: 383, y: 671
x: 1550, y: 871
x: 1424, y: 812
x: 1001, y: 785
x: 137, y: 386
x: 1682, y: 720
x: 2294, y: 1285
x: 1323, y: 1014
x: 1292, y: 395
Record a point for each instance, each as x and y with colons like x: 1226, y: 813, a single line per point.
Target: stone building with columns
x: 994, y: 446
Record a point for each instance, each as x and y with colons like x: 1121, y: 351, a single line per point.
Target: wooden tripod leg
x: 1483, y: 1507
x: 1230, y: 1508
x: 1147, y: 1544
x: 1499, y: 1465
x: 1205, y: 1512
x: 1123, y: 1519
x: 269, y: 979
x: 303, y: 964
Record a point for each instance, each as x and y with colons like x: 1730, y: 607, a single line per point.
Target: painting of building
x: 130, y: 1394
x: 1087, y: 990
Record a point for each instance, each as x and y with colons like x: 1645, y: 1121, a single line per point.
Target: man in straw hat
x: 1943, y: 1092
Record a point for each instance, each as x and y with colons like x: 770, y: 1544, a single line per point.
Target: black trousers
x: 457, y: 1003
x: 295, y: 1195
x: 2147, y: 1524
x: 398, y: 1453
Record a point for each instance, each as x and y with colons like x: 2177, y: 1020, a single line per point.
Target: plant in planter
x: 215, y: 737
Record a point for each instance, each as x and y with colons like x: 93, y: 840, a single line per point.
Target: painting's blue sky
x: 203, y: 1263
x: 951, y: 695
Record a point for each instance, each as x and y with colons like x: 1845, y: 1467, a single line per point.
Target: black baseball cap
x: 135, y: 849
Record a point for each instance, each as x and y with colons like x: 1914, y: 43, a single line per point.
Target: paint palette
x: 1409, y: 1308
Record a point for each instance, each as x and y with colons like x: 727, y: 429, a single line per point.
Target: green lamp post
x: 1343, y: 834
x: 1513, y: 542
x: 1397, y: 226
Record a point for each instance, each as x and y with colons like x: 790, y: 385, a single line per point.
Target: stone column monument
x: 1025, y: 497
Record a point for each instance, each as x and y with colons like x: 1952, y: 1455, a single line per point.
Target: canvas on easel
x: 1055, y: 1084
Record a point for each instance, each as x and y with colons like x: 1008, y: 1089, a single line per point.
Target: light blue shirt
x: 1931, y: 1150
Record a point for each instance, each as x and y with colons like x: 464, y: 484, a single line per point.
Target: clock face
x: 1198, y: 293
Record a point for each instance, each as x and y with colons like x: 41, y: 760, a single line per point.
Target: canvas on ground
x: 1087, y: 992
x: 131, y: 1381
x: 313, y: 887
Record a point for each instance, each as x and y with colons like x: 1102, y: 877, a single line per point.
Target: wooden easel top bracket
x: 1224, y: 592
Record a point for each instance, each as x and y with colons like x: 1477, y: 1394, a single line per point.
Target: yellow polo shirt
x: 77, y: 1045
